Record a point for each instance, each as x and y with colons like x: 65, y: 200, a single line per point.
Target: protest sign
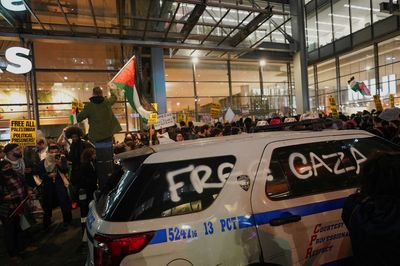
x: 164, y: 121
x: 23, y: 132
x: 378, y: 103
x: 332, y: 103
x: 215, y: 110
x: 391, y: 100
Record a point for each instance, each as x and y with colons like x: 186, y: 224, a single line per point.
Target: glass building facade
x: 66, y: 71
x: 344, y: 40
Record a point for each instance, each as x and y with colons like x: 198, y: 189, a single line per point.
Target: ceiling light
x: 344, y: 16
x: 178, y: 103
x: 367, y: 68
x: 263, y: 62
x: 195, y: 60
x: 65, y: 77
x: 361, y: 8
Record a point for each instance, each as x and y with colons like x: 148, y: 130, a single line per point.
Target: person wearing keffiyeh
x: 51, y: 171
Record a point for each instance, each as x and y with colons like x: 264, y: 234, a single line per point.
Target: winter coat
x: 102, y: 122
x: 374, y: 228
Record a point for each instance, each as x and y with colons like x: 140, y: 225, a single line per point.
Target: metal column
x: 300, y: 58
x: 158, y: 79
x: 230, y: 84
x: 290, y: 91
x: 196, y: 114
x: 315, y: 70
x: 28, y: 100
x: 376, y: 65
x: 338, y: 91
x: 34, y: 96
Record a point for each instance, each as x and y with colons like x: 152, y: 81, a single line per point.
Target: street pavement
x: 60, y: 245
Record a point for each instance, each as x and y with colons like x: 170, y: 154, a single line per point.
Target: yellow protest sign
x: 332, y: 104
x: 152, y: 119
x: 155, y: 106
x: 391, y: 100
x: 215, y: 110
x: 378, y: 103
x: 23, y: 132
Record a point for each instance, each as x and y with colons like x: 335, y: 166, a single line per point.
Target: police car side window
x: 174, y: 188
x: 368, y: 147
x: 311, y: 168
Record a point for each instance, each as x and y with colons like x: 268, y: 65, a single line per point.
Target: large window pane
x: 179, y: 89
x: 376, y: 14
x: 175, y: 105
x: 211, y: 71
x: 360, y: 14
x: 212, y: 88
x: 178, y: 70
x: 325, y: 24
x: 341, y: 18
x: 77, y: 55
x: 311, y: 32
x: 245, y: 71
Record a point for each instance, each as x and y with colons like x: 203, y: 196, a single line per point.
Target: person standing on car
x: 372, y: 215
x: 53, y: 170
x: 102, y: 126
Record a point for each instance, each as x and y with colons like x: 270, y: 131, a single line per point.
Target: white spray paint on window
x: 199, y: 176
x: 306, y: 171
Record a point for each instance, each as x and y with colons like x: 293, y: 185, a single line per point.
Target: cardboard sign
x: 391, y: 100
x: 23, y: 132
x: 152, y: 119
x: 378, y: 103
x: 332, y: 103
x: 215, y: 110
x: 164, y: 121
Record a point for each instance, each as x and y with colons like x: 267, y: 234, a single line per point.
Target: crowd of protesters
x: 369, y: 121
x: 54, y: 166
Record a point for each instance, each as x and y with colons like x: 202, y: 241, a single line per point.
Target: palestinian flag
x: 358, y: 87
x: 125, y: 80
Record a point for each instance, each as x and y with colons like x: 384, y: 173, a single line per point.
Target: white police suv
x: 270, y: 198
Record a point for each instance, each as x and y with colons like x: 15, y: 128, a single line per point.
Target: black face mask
x: 17, y: 155
x: 8, y: 172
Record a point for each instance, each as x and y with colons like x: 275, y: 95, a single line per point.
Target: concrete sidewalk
x: 59, y: 245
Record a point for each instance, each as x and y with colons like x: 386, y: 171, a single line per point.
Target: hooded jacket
x: 102, y: 122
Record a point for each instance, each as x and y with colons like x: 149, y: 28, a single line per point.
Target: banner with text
x: 23, y: 132
x: 164, y: 121
x: 378, y: 103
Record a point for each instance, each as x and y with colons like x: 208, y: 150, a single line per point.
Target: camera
x: 57, y: 156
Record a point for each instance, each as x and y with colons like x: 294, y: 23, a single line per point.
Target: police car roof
x: 236, y: 139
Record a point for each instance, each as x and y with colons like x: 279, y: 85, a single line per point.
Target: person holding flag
x: 102, y: 126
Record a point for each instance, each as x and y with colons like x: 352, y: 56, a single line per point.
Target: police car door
x: 298, y: 193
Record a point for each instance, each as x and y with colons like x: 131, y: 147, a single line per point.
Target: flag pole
x: 122, y: 69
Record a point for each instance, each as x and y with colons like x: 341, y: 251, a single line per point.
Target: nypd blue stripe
x: 303, y: 210
x: 247, y: 221
x: 159, y: 237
